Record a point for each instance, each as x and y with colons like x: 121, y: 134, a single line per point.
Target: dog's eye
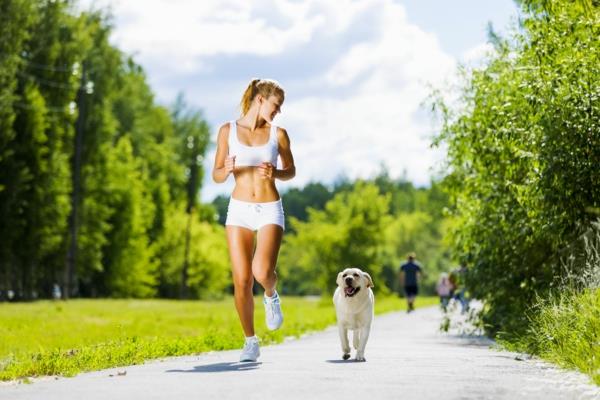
x: 355, y: 274
x: 343, y: 276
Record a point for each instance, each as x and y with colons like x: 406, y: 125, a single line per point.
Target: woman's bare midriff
x: 251, y: 187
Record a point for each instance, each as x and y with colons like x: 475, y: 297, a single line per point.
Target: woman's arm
x: 224, y: 165
x: 288, y: 169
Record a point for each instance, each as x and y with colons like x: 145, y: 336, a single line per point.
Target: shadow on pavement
x: 350, y: 361
x: 221, y: 367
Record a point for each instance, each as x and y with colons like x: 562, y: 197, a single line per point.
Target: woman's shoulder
x: 226, y: 125
x: 280, y: 131
x: 224, y: 129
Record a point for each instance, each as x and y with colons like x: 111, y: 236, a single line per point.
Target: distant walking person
x: 457, y: 278
x: 444, y: 290
x: 410, y: 274
x: 249, y: 147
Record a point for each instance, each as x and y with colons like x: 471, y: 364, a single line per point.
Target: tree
x: 128, y: 258
x: 348, y: 232
x: 194, y: 136
x: 15, y: 18
x: 36, y: 170
x: 523, y: 154
x: 116, y: 181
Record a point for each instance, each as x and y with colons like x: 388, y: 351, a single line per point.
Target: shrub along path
x: 407, y: 357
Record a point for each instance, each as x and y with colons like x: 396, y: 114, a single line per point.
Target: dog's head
x: 351, y: 280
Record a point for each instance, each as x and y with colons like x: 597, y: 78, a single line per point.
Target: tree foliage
x: 69, y: 98
x: 523, y: 152
x: 358, y: 227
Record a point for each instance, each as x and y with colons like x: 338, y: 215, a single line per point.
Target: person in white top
x: 444, y: 288
x: 249, y: 148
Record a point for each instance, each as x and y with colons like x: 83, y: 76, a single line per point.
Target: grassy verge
x: 65, y: 338
x: 566, y: 331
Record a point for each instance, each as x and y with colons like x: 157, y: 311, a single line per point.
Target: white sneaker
x: 250, y: 352
x: 273, y: 313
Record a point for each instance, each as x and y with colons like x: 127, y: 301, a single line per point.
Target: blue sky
x: 460, y: 24
x: 355, y: 71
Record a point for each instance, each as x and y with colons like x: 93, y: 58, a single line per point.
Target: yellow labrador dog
x: 354, y: 302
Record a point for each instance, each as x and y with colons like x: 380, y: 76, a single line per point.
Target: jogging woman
x: 249, y: 147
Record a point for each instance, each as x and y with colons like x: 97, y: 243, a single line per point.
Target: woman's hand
x: 266, y: 170
x: 229, y: 164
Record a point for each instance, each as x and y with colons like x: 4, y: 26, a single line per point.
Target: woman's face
x: 270, y: 107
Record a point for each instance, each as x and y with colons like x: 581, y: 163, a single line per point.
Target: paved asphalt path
x: 407, y: 358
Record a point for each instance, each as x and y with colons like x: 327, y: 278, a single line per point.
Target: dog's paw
x: 346, y: 356
x: 360, y: 357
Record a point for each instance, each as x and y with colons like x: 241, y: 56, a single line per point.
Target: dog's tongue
x: 349, y: 290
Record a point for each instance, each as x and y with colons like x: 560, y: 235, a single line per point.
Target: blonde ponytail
x: 264, y: 87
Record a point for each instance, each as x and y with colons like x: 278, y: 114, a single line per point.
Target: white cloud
x: 377, y: 122
x: 357, y: 61
x: 177, y: 33
x: 476, y: 56
x: 347, y: 115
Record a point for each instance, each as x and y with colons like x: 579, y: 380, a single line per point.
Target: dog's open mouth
x: 351, y: 291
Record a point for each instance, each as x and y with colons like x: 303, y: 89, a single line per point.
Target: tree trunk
x: 69, y: 285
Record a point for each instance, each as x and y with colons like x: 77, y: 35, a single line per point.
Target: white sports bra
x: 253, y: 155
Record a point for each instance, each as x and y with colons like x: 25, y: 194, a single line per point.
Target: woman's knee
x: 243, y: 283
x: 264, y: 274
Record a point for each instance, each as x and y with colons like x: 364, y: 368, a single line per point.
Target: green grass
x: 566, y: 331
x: 65, y: 338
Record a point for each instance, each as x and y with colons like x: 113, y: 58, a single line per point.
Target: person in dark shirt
x: 410, y: 274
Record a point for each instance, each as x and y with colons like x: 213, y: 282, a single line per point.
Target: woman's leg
x: 241, y: 245
x: 265, y: 256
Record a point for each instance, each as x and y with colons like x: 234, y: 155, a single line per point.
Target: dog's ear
x: 339, y: 280
x: 369, y: 280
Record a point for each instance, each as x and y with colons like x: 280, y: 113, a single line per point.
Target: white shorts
x: 254, y: 216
